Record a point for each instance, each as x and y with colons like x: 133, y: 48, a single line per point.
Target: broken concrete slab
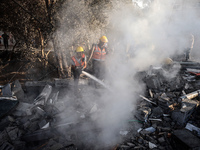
x: 53, y: 99
x: 42, y: 123
x: 14, y: 133
x: 17, y: 90
x: 152, y: 145
x: 63, y: 82
x: 51, y: 110
x: 185, y: 140
x: 191, y: 127
x: 37, y: 112
x: 6, y: 90
x: 4, y: 122
x: 181, y: 116
x: 43, y: 96
x: 157, y: 112
x: 153, y: 82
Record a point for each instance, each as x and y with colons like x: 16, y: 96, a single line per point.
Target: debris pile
x: 168, y: 114
x: 169, y: 117
x: 31, y: 122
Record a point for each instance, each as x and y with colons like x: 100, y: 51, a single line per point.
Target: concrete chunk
x: 44, y: 95
x: 193, y: 128
x: 54, y: 98
x: 186, y: 140
x: 17, y: 90
x: 62, y: 82
x: 5, y: 122
x: 181, y: 116
x: 42, y: 123
x: 13, y: 133
x: 6, y: 91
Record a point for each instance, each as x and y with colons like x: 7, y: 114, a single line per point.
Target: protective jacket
x: 79, y: 62
x: 99, y: 54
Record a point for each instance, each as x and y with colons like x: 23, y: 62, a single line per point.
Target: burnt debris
x: 169, y: 117
x: 35, y: 117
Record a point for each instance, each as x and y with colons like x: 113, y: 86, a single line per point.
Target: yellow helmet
x: 104, y: 39
x: 168, y: 61
x: 79, y: 49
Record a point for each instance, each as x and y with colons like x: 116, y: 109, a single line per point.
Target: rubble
x: 7, y: 105
x: 170, y: 104
x: 17, y: 90
x: 168, y: 114
x: 182, y: 115
x: 6, y: 90
x: 192, y: 128
x: 44, y: 95
x: 184, y: 139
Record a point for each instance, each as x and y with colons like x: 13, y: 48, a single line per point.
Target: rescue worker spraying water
x: 78, y: 64
x: 98, y: 55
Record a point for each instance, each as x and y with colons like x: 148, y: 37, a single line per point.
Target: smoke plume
x: 137, y: 38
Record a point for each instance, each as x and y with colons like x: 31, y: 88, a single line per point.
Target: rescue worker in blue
x: 78, y: 63
x: 98, y: 54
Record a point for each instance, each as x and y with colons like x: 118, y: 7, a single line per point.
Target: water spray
x: 95, y: 79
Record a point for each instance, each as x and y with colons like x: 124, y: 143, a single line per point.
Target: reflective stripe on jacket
x: 99, y: 54
x: 79, y: 62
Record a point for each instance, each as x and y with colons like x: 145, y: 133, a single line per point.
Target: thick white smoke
x: 141, y: 39
x: 137, y: 38
x: 161, y: 31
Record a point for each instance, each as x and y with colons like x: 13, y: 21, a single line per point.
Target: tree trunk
x: 63, y: 69
x: 41, y: 43
x: 42, y: 49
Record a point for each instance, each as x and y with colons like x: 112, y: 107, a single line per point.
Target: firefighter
x: 190, y: 47
x: 98, y: 53
x: 167, y: 64
x: 78, y: 64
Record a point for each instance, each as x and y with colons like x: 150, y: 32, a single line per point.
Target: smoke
x: 137, y: 38
x: 161, y: 31
x: 140, y: 39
